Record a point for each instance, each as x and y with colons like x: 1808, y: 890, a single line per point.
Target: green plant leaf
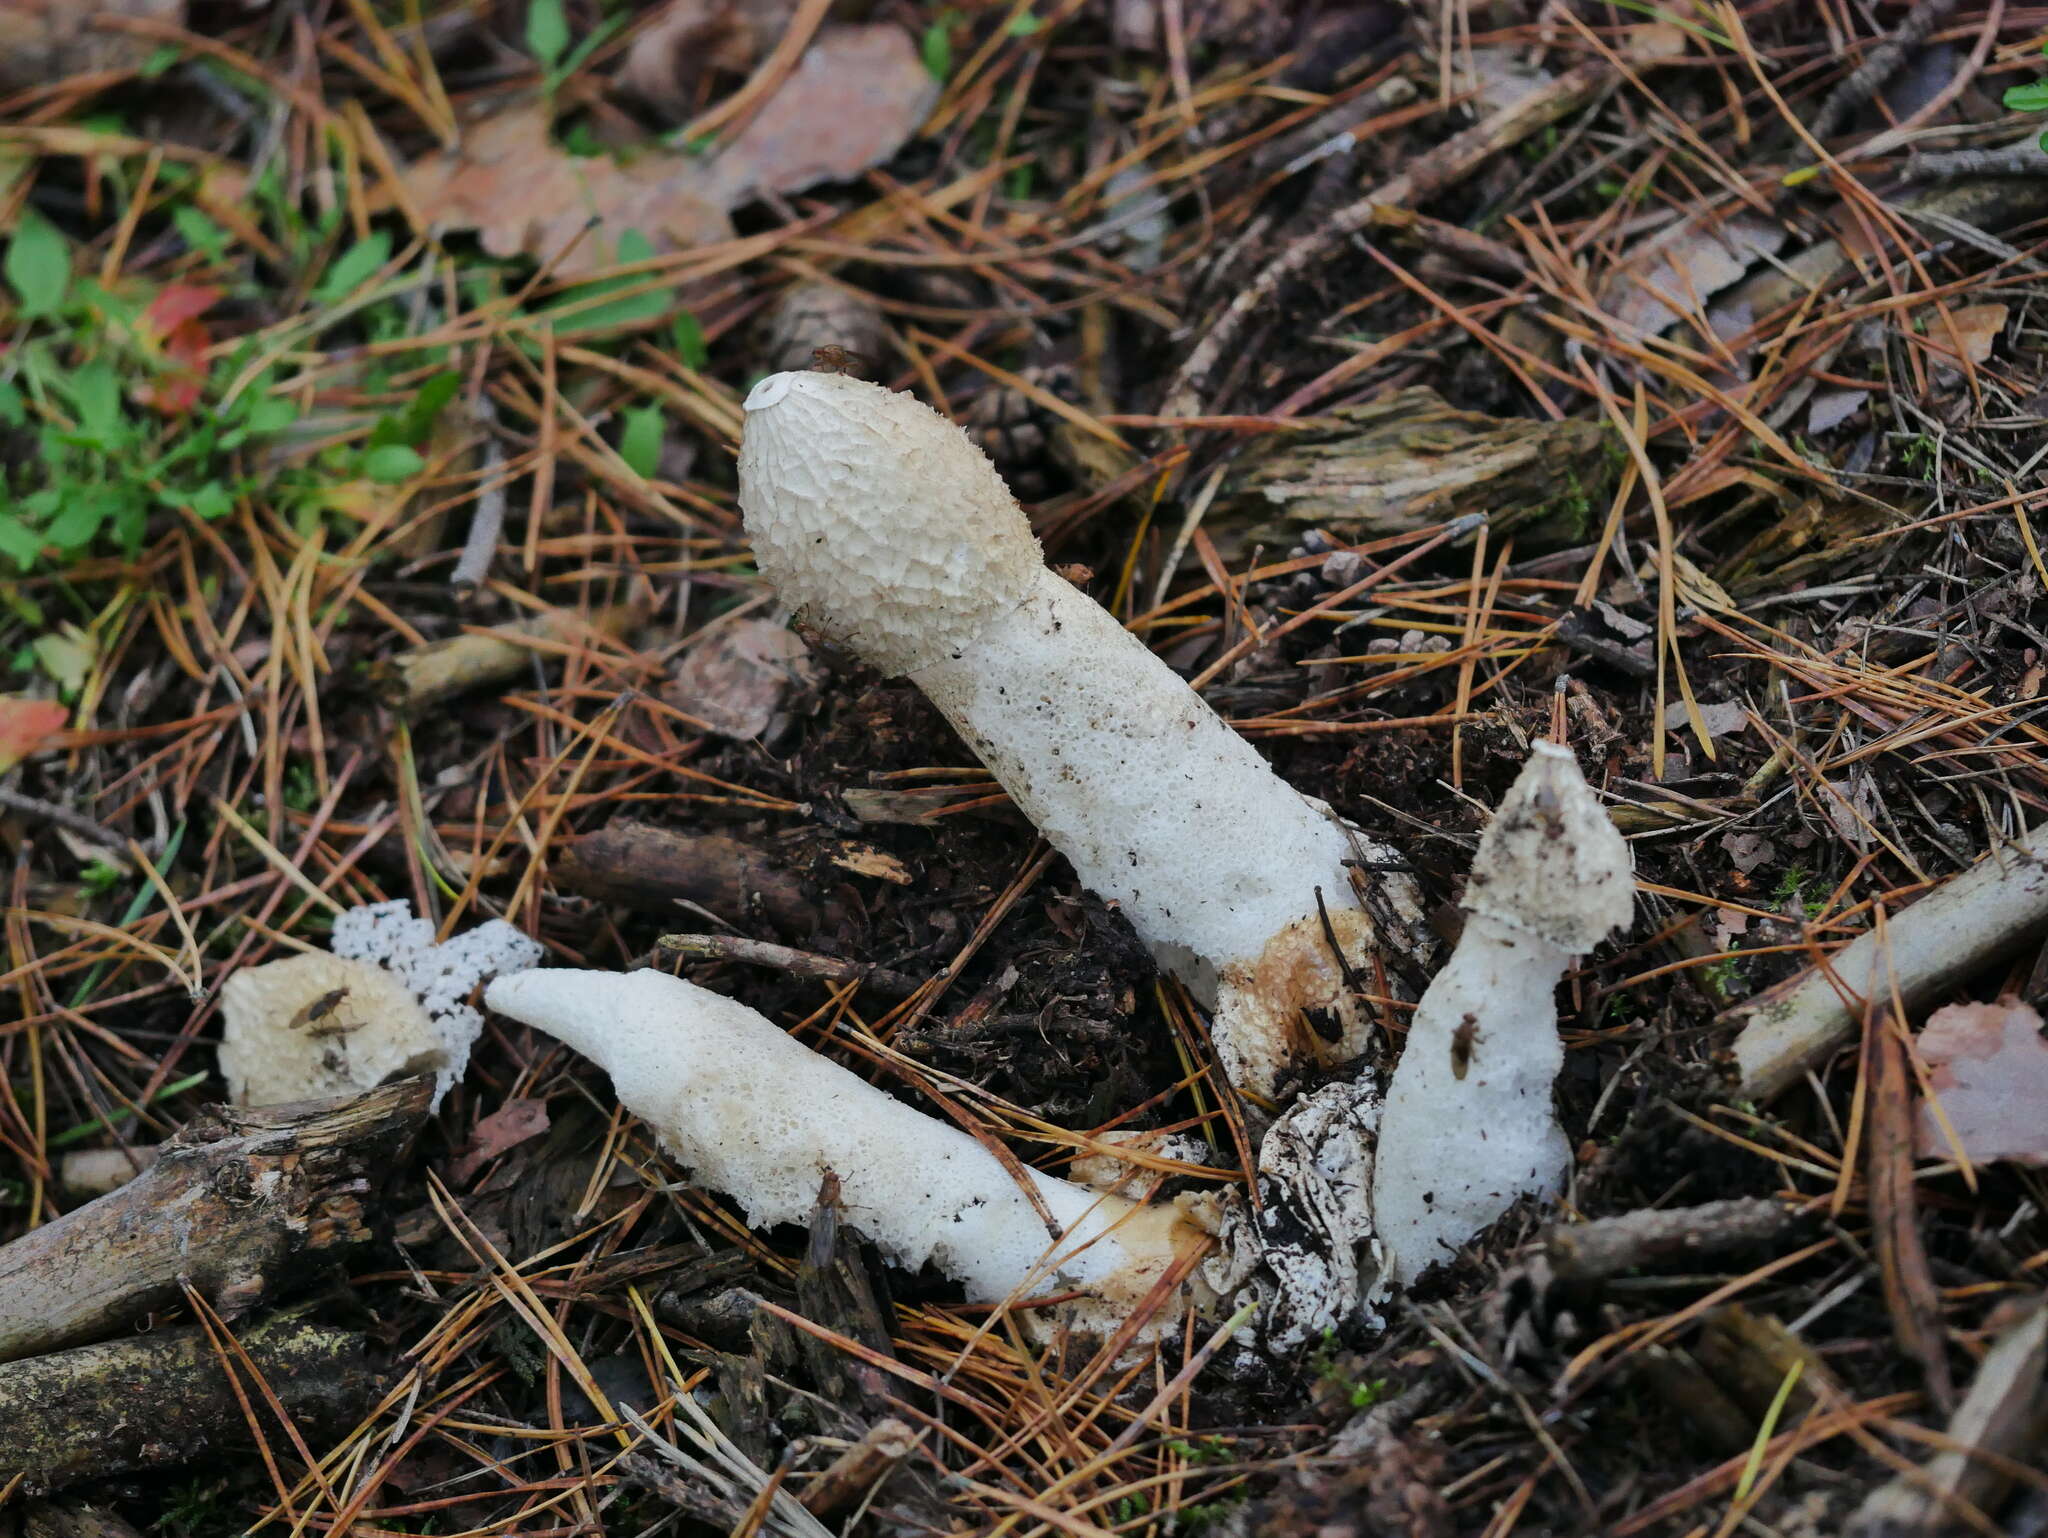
x: 2032, y: 97
x: 272, y: 414
x: 392, y: 462
x: 1025, y: 25
x: 200, y: 232
x: 95, y: 392
x: 640, y: 440
x: 20, y: 541
x: 547, y: 30
x: 937, y: 51
x: 349, y: 271
x: 691, y: 348
x: 38, y: 264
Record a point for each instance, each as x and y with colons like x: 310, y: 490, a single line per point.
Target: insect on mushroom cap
x: 1552, y: 863
x: 878, y: 520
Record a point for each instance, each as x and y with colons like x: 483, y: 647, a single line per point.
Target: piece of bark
x: 2004, y: 1417
x: 70, y: 1519
x: 650, y: 868
x: 240, y: 1204
x: 1588, y: 1252
x: 857, y: 1470
x: 1751, y: 1355
x: 1390, y: 466
x: 160, y: 1400
x: 42, y: 41
x: 1975, y: 919
x: 423, y: 676
x: 1679, y: 1381
x: 1907, y: 1278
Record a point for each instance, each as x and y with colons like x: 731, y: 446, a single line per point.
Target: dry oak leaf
x: 852, y: 101
x: 42, y: 41
x: 1977, y: 327
x: 522, y: 193
x: 1988, y: 1068
x: 671, y: 54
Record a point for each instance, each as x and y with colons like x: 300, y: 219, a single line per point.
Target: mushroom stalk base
x: 1165, y: 811
x: 1469, y: 1127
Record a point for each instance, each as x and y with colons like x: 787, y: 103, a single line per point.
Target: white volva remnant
x: 758, y: 1115
x: 1469, y: 1127
x: 388, y: 1003
x: 886, y: 528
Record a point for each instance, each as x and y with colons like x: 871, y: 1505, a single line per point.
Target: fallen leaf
x: 523, y: 194
x: 505, y: 1128
x: 42, y: 41
x: 25, y: 725
x: 687, y: 39
x: 852, y: 101
x: 172, y: 325
x: 736, y: 680
x: 1851, y: 805
x: 1675, y: 271
x: 67, y: 655
x: 1719, y: 719
x: 1831, y: 408
x: 1988, y: 1069
x: 1748, y: 852
x: 1977, y: 326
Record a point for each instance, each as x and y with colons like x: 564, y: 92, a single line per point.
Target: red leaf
x: 507, y: 1127
x: 176, y: 306
x: 25, y: 725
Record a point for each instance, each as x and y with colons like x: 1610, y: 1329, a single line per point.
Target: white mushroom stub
x: 1469, y: 1128
x: 887, y: 529
x: 753, y: 1112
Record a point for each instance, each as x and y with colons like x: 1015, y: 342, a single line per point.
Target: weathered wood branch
x: 156, y: 1401
x: 238, y: 1204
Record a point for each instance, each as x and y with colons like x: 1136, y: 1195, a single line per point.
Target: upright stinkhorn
x: 756, y: 1114
x: 1468, y: 1127
x: 886, y: 528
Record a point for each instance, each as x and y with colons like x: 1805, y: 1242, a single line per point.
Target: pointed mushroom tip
x: 1552, y: 861
x: 566, y: 1002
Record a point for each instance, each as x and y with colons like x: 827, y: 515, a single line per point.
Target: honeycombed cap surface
x: 1552, y: 863
x: 879, y: 521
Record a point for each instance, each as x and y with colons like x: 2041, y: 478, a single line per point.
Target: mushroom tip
x: 562, y: 1001
x: 1552, y: 862
x: 878, y: 520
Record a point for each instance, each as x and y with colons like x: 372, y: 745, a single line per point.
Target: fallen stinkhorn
x: 886, y: 529
x: 1468, y: 1127
x: 388, y: 1002
x: 753, y: 1112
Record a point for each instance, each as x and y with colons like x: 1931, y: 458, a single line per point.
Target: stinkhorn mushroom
x: 388, y: 1002
x: 753, y: 1112
x: 1469, y: 1128
x: 889, y: 531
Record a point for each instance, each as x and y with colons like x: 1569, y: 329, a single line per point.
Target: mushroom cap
x: 270, y: 1056
x: 879, y: 521
x: 1552, y: 864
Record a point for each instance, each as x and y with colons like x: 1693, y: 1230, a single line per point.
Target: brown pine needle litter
x: 370, y: 381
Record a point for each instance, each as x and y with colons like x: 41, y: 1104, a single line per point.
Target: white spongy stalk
x: 758, y: 1115
x: 1469, y: 1127
x: 1160, y: 807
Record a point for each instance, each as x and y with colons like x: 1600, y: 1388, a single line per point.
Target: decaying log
x: 64, y: 1519
x: 426, y: 675
x: 1390, y: 466
x: 156, y: 1401
x: 650, y: 868
x: 858, y: 1469
x: 239, y: 1204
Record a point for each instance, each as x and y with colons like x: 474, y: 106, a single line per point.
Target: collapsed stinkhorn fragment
x: 885, y: 527
x: 387, y: 1003
x: 1468, y: 1127
x: 756, y: 1114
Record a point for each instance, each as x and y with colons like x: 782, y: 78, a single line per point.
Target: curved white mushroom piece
x: 886, y: 528
x: 756, y: 1114
x: 1468, y: 1127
